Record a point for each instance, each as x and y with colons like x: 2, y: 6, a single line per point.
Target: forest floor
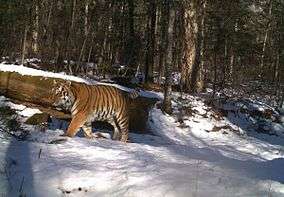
x: 231, y: 147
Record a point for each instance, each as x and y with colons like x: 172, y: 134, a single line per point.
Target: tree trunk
x: 192, y: 39
x: 276, y: 67
x: 35, y: 31
x: 82, y: 51
x: 265, y: 40
x: 49, y: 15
x: 86, y: 18
x: 162, y: 49
x: 195, y: 75
x: 130, y: 54
x: 24, y: 44
x: 201, y: 77
x: 69, y: 40
x: 46, y: 42
x: 91, y: 47
x: 214, y: 74
x: 73, y: 15
x: 232, y: 66
x: 170, y: 16
x: 196, y: 65
x: 150, y: 47
x: 104, y: 33
x: 281, y: 101
x: 86, y: 32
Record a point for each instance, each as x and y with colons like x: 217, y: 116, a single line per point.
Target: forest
x: 207, y: 118
x: 222, y: 43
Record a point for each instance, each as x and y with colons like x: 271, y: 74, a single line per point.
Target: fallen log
x: 35, y: 91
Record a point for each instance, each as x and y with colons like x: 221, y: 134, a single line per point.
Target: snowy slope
x: 175, y: 161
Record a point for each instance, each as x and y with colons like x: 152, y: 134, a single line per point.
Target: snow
x: 34, y: 72
x: 172, y: 161
x: 21, y: 110
x: 104, y: 168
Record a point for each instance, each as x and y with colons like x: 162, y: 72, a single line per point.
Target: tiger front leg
x: 76, y: 123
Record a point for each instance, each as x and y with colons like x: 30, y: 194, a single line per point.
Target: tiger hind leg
x: 116, y: 131
x: 87, y: 129
x: 123, y: 129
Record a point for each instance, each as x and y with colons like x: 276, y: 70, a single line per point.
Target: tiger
x: 88, y: 103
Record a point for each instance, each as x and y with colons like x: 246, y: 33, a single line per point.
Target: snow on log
x: 36, y: 91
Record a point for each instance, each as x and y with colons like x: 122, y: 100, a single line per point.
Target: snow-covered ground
x: 183, y: 155
x: 176, y: 160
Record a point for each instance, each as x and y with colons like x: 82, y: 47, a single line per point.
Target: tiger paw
x: 90, y: 136
x: 65, y: 135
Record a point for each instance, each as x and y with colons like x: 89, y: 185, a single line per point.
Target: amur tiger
x: 88, y: 103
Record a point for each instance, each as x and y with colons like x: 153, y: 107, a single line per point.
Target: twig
x: 39, y: 154
x: 22, y: 184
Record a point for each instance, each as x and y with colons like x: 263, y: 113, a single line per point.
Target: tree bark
x: 58, y: 35
x: 162, y: 40
x: 73, y: 14
x: 86, y: 18
x: 192, y: 45
x: 24, y: 44
x: 265, y: 40
x: 86, y: 33
x: 130, y: 50
x: 150, y: 47
x: 170, y: 16
x: 276, y: 68
x: 35, y: 31
x: 195, y: 76
x: 69, y: 40
x: 281, y: 101
x: 201, y: 77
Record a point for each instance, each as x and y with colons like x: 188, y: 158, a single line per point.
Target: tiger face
x: 63, y: 97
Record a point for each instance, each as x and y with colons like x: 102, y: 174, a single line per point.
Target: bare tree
x: 24, y: 44
x: 270, y: 3
x: 150, y: 46
x: 35, y: 29
x: 169, y: 17
x: 195, y: 77
x: 192, y: 50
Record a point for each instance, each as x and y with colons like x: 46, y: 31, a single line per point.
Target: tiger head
x: 63, y: 97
